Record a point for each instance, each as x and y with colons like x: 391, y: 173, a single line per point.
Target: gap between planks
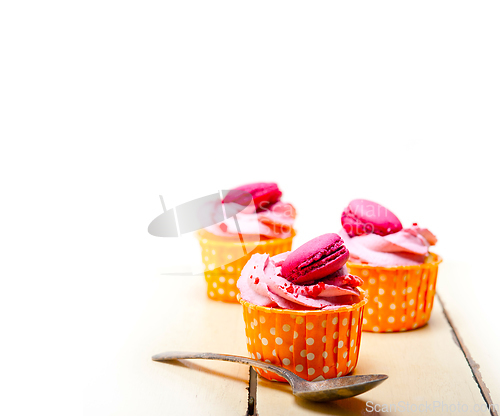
x: 485, y: 392
x: 252, y: 393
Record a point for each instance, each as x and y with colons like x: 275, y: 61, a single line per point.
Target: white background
x: 105, y: 105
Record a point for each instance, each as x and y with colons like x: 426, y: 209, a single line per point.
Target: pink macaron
x: 318, y: 258
x: 263, y: 194
x: 366, y: 217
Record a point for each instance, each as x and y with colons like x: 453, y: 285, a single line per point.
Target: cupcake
x: 395, y: 262
x: 303, y: 311
x: 262, y: 224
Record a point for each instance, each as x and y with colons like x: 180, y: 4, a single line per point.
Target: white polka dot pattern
x: 399, y: 298
x: 221, y: 281
x: 311, y: 345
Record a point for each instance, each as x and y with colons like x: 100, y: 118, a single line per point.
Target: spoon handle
x: 177, y: 355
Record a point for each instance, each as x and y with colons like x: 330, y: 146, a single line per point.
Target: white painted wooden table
x: 427, y: 368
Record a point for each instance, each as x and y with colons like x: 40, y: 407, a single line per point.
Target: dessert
x: 318, y: 258
x: 365, y: 217
x: 395, y: 262
x: 302, y: 310
x: 264, y: 225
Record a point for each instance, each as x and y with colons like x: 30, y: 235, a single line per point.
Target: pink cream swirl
x: 261, y: 283
x: 276, y: 221
x: 408, y: 247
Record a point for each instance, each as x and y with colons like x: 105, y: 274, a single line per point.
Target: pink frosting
x: 408, y: 247
x: 275, y: 222
x: 261, y: 283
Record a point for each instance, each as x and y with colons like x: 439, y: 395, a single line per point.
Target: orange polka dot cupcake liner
x: 315, y: 345
x: 399, y: 298
x: 221, y: 281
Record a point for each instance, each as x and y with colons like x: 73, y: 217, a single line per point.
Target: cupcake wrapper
x: 221, y: 281
x: 315, y: 345
x: 399, y: 298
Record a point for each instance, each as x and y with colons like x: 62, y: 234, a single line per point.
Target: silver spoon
x: 318, y: 391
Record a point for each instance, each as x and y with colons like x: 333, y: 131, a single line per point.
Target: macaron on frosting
x: 363, y: 217
x: 264, y: 194
x: 311, y: 277
x: 267, y: 216
x: 375, y: 236
x: 316, y: 259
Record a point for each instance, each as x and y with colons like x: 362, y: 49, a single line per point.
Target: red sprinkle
x: 315, y: 290
x: 223, y: 227
x: 256, y: 280
x: 289, y: 289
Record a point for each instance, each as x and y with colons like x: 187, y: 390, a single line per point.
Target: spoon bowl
x: 317, y: 391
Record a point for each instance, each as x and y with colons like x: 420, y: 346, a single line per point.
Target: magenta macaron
x: 318, y: 258
x: 365, y: 217
x: 264, y: 194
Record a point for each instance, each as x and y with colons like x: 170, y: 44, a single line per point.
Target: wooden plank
x: 180, y: 317
x: 425, y: 367
x: 473, y: 311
